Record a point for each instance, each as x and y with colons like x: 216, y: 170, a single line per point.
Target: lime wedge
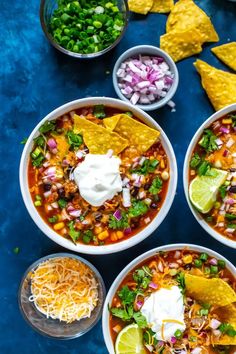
x: 203, y: 190
x: 130, y: 341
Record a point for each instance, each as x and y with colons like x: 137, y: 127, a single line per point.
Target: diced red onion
x: 54, y: 205
x: 160, y: 267
x: 173, y: 265
x: 142, y: 194
x: 65, y: 163
x: 47, y: 194
x: 64, y: 215
x: 153, y: 285
x: 54, y: 151
x: 76, y: 213
x: 48, y: 155
x: 225, y: 153
x: 137, y: 182
x: 173, y: 340
x: 160, y: 343
x: 224, y: 130
x: 46, y: 164
x: 125, y: 181
x: 219, y: 142
x: 139, y: 304
x: 213, y: 261
x: 216, y: 332
x: 230, y: 201
x: 127, y: 231
x: 229, y: 143
x: 117, y: 214
x: 177, y: 254
x: 214, y: 323
x: 52, y: 143
x: 196, y: 350
x: 126, y: 197
x: 229, y: 230
x: 147, y: 220
x: 171, y: 104
x: 149, y: 347
x: 135, y: 97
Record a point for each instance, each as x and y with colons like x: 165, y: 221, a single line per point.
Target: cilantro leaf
x: 87, y: 236
x: 62, y: 203
x: 195, y: 161
x: 75, y: 140
x: 142, y: 277
x: 208, y: 141
x: 115, y: 224
x: 99, y: 111
x: 138, y: 208
x: 156, y: 186
x: 140, y: 319
x: 72, y: 232
x: 24, y: 141
x: 148, y: 166
x: 223, y: 191
x: 40, y: 141
x: 227, y: 328
x: 47, y: 126
x: 38, y: 161
x: 204, y: 169
x: 126, y: 295
x: 124, y: 314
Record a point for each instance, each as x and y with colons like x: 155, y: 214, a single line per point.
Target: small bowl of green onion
x: 84, y: 28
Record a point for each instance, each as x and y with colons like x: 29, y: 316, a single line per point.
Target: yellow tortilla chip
x: 186, y: 15
x: 219, y: 85
x: 182, y: 45
x: 98, y: 139
x: 138, y: 134
x: 226, y: 53
x: 215, y: 291
x: 162, y: 6
x: 111, y: 122
x: 62, y: 146
x: 227, y: 314
x: 140, y: 6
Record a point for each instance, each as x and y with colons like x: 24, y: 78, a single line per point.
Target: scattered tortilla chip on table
x: 226, y: 53
x: 186, y: 15
x: 219, y: 85
x: 138, y: 134
x: 162, y: 6
x: 98, y: 139
x: 140, y: 6
x: 183, y: 44
x: 214, y: 291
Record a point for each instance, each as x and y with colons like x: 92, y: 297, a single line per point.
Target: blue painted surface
x: 35, y: 79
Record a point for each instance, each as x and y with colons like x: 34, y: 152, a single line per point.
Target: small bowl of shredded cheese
x: 61, y: 296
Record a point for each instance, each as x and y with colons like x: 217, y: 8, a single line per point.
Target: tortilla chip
x: 226, y: 53
x: 138, y: 134
x: 140, y: 6
x: 226, y: 314
x: 182, y: 45
x: 98, y: 139
x: 111, y: 122
x: 162, y: 6
x: 215, y: 291
x: 219, y: 85
x: 186, y: 15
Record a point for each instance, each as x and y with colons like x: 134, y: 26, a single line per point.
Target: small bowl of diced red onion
x: 146, y: 76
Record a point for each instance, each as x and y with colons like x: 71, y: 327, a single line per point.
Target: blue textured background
x: 35, y: 79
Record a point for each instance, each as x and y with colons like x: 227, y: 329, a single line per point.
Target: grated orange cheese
x: 64, y: 289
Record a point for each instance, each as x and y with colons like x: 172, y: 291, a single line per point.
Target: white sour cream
x: 98, y: 178
x: 164, y: 312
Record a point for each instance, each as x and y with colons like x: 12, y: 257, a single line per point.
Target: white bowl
x: 198, y: 216
x: 147, y: 50
x: 106, y: 249
x: 132, y: 265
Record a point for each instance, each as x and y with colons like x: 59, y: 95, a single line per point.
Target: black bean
x: 97, y: 216
x: 232, y: 169
x: 134, y: 192
x: 156, y: 198
x: 134, y: 223
x: 188, y: 266
x: 154, y: 206
x: 61, y: 192
x: 232, y: 189
x: 147, y: 186
x: 47, y: 187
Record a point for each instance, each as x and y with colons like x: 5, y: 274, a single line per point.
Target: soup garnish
x: 212, y: 175
x: 64, y: 289
x: 98, y: 175
x: 176, y: 302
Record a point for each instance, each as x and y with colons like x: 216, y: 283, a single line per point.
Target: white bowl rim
x: 191, y: 146
x: 112, y: 248
x: 137, y: 261
x: 127, y: 54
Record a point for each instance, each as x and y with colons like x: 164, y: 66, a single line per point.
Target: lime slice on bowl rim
x: 130, y: 341
x: 203, y: 190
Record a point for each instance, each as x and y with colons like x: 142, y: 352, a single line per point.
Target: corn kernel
x: 119, y: 234
x: 165, y: 175
x: 227, y: 121
x: 58, y: 226
x: 220, y: 218
x: 187, y: 259
x: 162, y: 164
x: 217, y: 205
x: 113, y: 237
x: 97, y: 230
x: 103, y: 235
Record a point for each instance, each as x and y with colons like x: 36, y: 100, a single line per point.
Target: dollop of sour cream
x: 164, y: 312
x: 98, y: 178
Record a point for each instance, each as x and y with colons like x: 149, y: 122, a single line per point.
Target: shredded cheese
x: 64, y: 289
